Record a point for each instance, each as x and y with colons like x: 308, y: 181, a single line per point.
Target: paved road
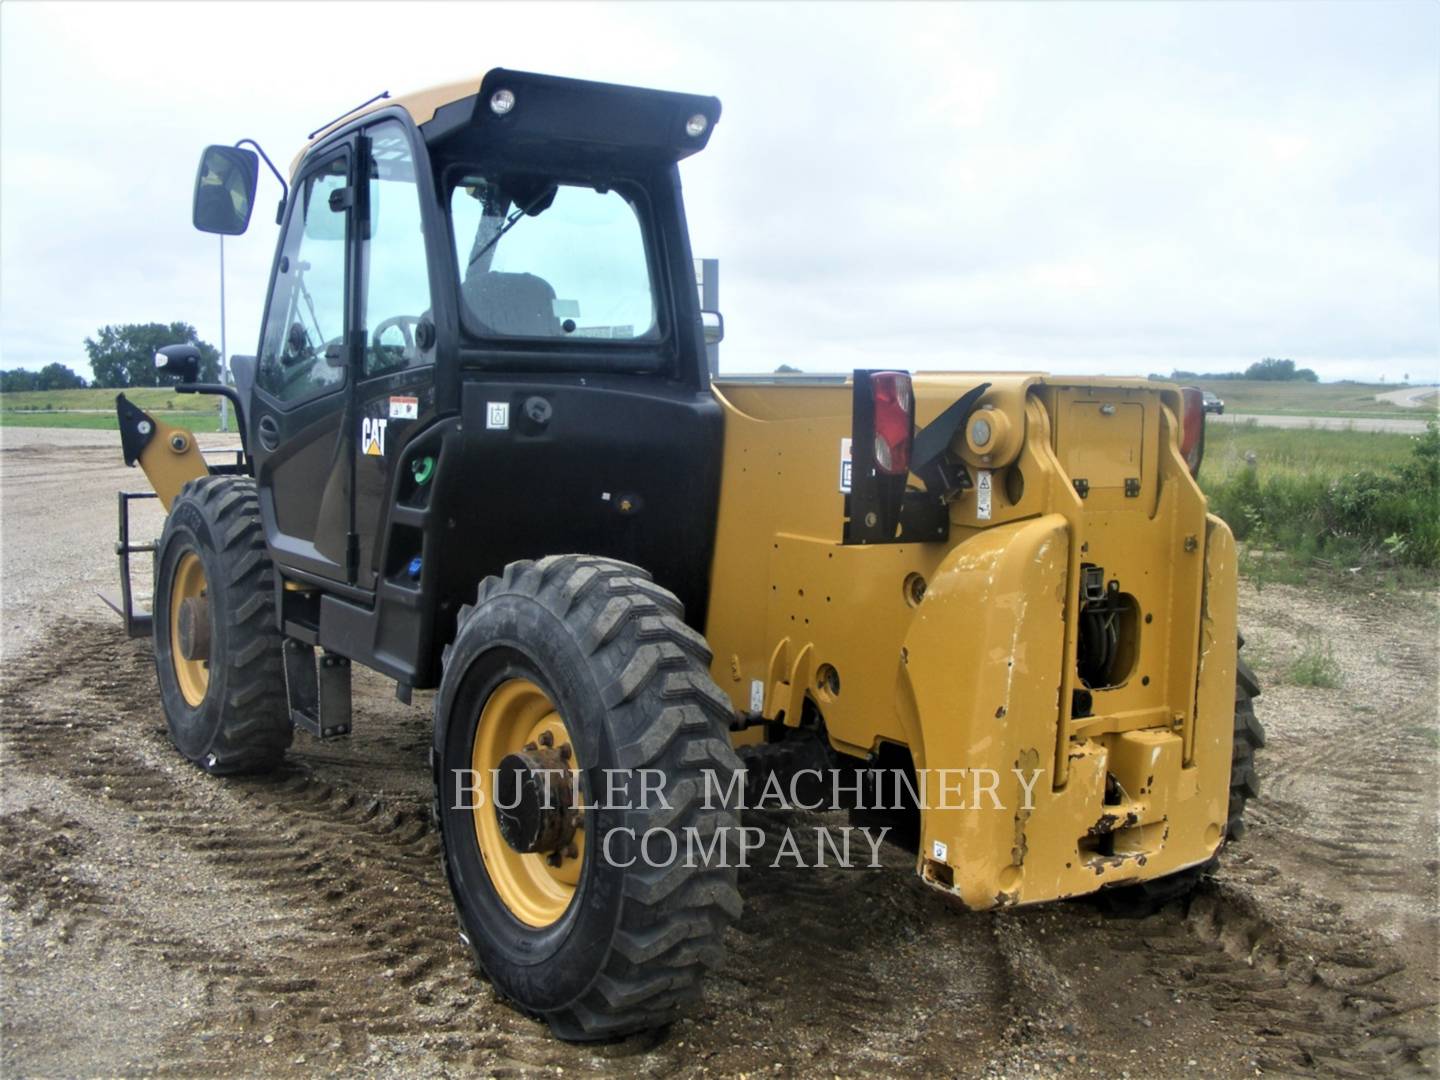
x: 1412, y: 397
x: 1404, y: 425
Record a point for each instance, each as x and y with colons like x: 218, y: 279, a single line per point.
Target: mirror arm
x: 284, y: 187
x: 229, y: 393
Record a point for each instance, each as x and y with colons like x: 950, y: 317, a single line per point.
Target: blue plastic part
x: 414, y: 568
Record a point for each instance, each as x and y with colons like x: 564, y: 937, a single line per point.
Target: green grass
x: 95, y: 409
x: 1309, y: 399
x: 1302, y: 500
x: 149, y: 398
x: 97, y: 421
x: 1298, y: 452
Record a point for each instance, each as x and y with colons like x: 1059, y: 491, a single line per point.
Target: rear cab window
x: 544, y: 261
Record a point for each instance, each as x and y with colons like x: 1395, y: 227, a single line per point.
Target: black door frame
x: 285, y: 425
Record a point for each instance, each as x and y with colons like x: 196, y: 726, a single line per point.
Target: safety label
x: 846, y: 466
x: 982, y: 494
x: 404, y: 408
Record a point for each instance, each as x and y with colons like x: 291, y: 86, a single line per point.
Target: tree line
x: 124, y: 356
x: 1267, y: 370
x: 120, y: 357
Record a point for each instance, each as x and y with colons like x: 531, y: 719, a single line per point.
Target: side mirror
x: 181, y: 360
x: 713, y: 323
x: 225, y: 190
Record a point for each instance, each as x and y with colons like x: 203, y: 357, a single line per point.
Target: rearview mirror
x: 225, y: 190
x: 181, y: 360
x: 713, y: 323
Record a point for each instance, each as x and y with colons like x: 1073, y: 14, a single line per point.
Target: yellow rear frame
x: 979, y: 674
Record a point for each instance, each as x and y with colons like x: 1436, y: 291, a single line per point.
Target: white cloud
x: 1079, y: 187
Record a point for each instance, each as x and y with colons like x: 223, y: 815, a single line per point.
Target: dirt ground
x: 158, y: 921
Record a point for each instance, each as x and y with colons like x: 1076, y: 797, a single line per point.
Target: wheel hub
x: 190, y: 631
x: 535, y: 799
x: 529, y: 818
x: 194, y: 628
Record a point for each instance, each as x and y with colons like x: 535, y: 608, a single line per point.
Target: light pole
x: 224, y: 361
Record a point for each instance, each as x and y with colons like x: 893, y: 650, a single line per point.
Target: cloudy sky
x: 1112, y: 188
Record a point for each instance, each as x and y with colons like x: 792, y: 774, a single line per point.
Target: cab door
x: 306, y: 351
x: 396, y: 392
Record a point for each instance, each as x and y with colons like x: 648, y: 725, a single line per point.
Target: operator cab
x: 482, y: 343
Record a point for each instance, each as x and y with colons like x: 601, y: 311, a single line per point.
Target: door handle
x: 269, y: 433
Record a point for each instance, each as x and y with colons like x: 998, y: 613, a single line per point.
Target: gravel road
x: 1403, y: 425
x: 159, y: 921
x: 1412, y: 397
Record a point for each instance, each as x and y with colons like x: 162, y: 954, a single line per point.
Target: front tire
x: 590, y: 658
x: 217, y: 649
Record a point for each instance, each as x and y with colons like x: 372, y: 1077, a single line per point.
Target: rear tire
x: 227, y: 713
x: 627, y: 949
x: 1249, y: 737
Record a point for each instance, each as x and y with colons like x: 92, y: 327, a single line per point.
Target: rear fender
x: 983, y: 662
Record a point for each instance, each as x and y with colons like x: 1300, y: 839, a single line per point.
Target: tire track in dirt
x: 374, y: 955
x: 1341, y: 858
x: 829, y: 970
x: 1316, y: 996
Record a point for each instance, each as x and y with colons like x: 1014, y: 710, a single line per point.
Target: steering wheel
x: 406, y: 323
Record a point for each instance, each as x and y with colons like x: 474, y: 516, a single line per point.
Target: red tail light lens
x: 1192, y: 427
x: 894, y: 421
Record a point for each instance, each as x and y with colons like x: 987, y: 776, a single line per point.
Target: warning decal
x: 982, y: 494
x: 404, y: 408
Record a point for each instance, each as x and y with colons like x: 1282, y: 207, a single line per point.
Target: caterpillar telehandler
x: 483, y: 452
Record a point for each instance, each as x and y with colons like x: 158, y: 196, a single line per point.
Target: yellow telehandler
x: 483, y: 452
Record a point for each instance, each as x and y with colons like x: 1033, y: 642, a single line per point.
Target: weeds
x: 1386, y: 514
x: 1315, y: 665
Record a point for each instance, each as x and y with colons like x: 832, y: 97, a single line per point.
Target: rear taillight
x: 894, y: 421
x: 1192, y: 427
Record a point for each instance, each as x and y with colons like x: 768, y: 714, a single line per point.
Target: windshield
x: 541, y: 260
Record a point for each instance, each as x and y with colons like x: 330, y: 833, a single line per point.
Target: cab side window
x: 397, y: 278
x: 307, y: 306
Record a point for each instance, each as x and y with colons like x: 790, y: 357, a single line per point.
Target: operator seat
x: 521, y: 305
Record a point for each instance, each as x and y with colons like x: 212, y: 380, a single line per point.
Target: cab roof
x: 572, y: 115
x: 420, y: 104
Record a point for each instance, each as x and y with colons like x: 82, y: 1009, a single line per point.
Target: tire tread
x: 653, y: 671
x: 254, y: 728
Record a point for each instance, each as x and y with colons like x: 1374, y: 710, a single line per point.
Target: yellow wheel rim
x: 189, y: 584
x: 536, y: 887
